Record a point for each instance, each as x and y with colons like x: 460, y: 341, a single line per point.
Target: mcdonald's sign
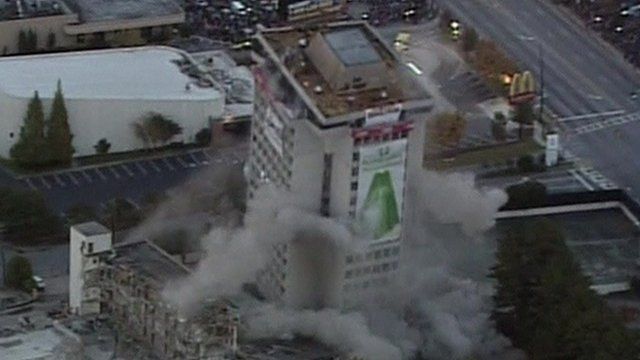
x: 522, y: 88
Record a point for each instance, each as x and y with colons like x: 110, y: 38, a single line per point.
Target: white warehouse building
x: 106, y: 91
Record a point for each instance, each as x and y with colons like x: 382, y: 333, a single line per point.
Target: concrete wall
x: 67, y: 29
x: 79, y: 264
x: 42, y: 26
x: 93, y: 119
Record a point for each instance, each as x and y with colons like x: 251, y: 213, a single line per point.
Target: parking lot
x: 131, y: 180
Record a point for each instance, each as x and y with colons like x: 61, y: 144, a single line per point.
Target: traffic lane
x: 613, y: 151
x: 570, y: 102
x: 569, y: 84
x: 572, y: 40
x: 621, y: 70
x: 558, y: 65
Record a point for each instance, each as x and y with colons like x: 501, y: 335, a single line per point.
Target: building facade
x: 125, y: 282
x: 81, y: 24
x: 107, y: 91
x: 334, y: 107
x: 84, y: 240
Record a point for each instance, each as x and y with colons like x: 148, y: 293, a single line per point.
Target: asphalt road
x: 582, y: 76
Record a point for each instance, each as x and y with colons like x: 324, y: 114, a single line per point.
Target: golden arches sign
x: 522, y: 88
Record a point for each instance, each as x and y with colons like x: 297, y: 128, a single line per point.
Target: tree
x: 492, y: 64
x: 203, y: 137
x: 59, y: 137
x: 19, y: 273
x: 51, y: 41
x: 26, y: 216
x: 155, y: 129
x: 544, y: 303
x: 121, y: 214
x: 32, y: 41
x: 22, y: 42
x: 102, y: 146
x: 445, y: 20
x: 152, y: 200
x: 523, y: 115
x: 30, y: 149
x: 81, y: 213
x: 526, y: 195
x: 469, y: 40
x: 498, y: 126
x: 447, y: 129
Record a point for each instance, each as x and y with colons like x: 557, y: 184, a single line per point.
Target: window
x: 354, y: 186
x: 349, y: 259
x: 11, y: 134
x: 387, y: 252
x: 89, y: 248
x: 80, y: 38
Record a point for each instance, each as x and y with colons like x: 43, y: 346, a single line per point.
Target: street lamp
x: 541, y: 66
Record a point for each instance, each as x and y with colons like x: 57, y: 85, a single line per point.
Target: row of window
x: 396, y: 135
x: 372, y: 269
x: 365, y: 284
x: 374, y: 255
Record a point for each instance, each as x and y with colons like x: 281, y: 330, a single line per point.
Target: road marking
x: 58, y: 180
x: 114, y: 172
x: 73, y: 179
x: 153, y: 165
x: 142, y: 170
x: 102, y: 176
x: 30, y: 184
x: 127, y: 170
x: 581, y: 180
x: 194, y: 158
x: 169, y: 166
x: 86, y: 176
x: 45, y: 183
x: 182, y: 162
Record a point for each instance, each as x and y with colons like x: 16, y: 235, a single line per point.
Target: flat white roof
x: 145, y: 73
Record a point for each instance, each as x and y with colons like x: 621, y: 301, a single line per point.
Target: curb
x: 112, y: 163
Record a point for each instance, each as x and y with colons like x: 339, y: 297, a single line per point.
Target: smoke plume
x: 348, y: 332
x: 235, y: 255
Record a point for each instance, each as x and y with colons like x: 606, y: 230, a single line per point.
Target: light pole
x: 541, y: 70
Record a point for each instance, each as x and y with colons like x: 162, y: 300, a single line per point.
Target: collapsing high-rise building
x: 333, y: 110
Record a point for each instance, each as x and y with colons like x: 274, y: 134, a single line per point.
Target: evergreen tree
x: 30, y: 149
x: 544, y: 303
x: 22, y: 42
x: 59, y: 137
x: 32, y: 41
x: 51, y: 41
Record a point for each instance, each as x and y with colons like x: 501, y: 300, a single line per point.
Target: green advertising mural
x: 380, y: 190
